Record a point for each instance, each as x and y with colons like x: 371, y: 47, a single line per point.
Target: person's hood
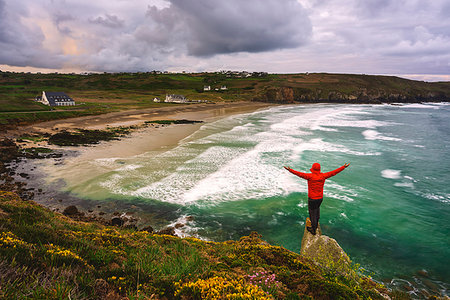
x: 315, y: 168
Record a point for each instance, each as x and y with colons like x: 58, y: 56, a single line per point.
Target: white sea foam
x: 391, y: 174
x: 318, y: 144
x: 236, y: 158
x: 441, y: 197
x: 404, y: 184
x: 375, y: 135
x: 418, y: 105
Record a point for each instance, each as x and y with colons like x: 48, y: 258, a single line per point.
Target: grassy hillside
x: 45, y: 255
x: 101, y: 93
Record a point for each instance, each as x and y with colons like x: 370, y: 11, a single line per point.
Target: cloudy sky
x: 410, y: 38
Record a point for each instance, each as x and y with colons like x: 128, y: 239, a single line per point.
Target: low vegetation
x: 102, y: 93
x: 45, y: 255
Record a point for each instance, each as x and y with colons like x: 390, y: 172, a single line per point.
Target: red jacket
x: 316, y: 180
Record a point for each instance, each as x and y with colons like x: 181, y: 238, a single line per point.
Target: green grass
x: 104, y: 93
x: 44, y: 255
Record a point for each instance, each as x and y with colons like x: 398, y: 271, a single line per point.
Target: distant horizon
x: 416, y: 77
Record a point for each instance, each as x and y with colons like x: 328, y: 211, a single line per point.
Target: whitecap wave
x: 375, y: 135
x: 404, y: 184
x: 441, y: 197
x: 391, y: 174
x: 419, y: 105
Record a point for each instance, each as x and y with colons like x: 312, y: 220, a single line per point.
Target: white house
x: 175, y: 98
x: 223, y: 88
x: 156, y: 99
x: 56, y: 99
x: 207, y: 88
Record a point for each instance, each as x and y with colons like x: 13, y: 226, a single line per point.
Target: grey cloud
x: 218, y: 27
x: 362, y: 36
x: 21, y: 45
x: 59, y: 18
x: 111, y: 21
x: 374, y: 7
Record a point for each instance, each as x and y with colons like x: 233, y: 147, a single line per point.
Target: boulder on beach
x: 117, y: 221
x: 71, y: 210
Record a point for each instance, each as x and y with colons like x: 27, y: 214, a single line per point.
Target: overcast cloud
x: 349, y: 36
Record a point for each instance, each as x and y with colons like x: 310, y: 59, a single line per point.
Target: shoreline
x: 47, y: 186
x: 134, y: 117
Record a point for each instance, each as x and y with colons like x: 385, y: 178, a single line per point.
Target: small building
x: 56, y: 99
x: 223, y: 88
x: 175, y: 98
x: 156, y: 99
x: 206, y: 88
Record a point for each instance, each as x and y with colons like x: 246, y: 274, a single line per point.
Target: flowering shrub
x: 220, y: 288
x: 9, y: 240
x: 266, y: 281
x: 58, y: 253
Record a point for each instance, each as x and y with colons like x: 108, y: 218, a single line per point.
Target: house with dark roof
x: 56, y: 99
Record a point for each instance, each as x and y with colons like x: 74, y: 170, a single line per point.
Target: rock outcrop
x: 320, y: 247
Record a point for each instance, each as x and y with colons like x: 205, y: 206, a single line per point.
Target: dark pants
x: 314, y: 212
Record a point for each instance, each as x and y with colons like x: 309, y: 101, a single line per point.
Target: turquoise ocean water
x: 390, y: 210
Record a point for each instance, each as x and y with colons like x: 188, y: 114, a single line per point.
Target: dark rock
x: 59, y: 200
x: 431, y: 285
x: 407, y: 287
x: 423, y: 273
x: 40, y: 190
x: 101, y: 213
x: 116, y: 213
x: 148, y: 229
x: 116, y: 222
x: 179, y: 225
x: 90, y: 211
x: 168, y: 230
x: 23, y: 175
x: 190, y: 218
x: 98, y: 206
x: 71, y: 210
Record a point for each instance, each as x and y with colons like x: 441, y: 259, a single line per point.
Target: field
x: 102, y: 93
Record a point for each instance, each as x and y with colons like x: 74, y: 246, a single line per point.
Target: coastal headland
x: 107, y: 256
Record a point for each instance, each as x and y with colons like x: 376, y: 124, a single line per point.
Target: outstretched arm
x: 334, y: 172
x: 299, y: 174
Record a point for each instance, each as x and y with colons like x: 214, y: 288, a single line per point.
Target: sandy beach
x: 203, y: 112
x: 155, y: 137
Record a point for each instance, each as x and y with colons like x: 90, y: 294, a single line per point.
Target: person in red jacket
x: 316, y: 181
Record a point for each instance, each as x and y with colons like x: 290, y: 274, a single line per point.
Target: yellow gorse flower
x: 58, y: 252
x: 221, y: 288
x: 8, y: 239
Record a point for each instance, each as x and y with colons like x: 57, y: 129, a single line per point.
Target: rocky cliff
x: 348, y: 88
